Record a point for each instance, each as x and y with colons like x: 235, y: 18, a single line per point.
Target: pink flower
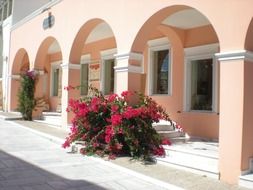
x: 112, y: 157
x: 108, y: 138
x: 31, y: 74
x: 66, y: 144
x: 95, y: 103
x: 131, y: 112
x: 112, y: 97
x: 166, y: 142
x: 69, y: 87
x: 159, y: 151
x: 126, y: 94
x: 109, y: 133
x: 116, y: 119
x: 115, y: 108
x: 118, y: 146
x: 179, y: 128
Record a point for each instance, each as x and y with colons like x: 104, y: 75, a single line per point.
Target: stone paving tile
x: 38, y: 187
x: 11, y: 188
x: 58, y: 185
x: 21, y: 174
x: 133, y: 183
x: 38, y: 164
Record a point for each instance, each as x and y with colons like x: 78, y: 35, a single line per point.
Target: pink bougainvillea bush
x: 110, y: 125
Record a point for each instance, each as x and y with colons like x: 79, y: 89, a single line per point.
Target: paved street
x: 31, y: 162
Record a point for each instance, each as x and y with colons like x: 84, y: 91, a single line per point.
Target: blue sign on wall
x: 48, y: 22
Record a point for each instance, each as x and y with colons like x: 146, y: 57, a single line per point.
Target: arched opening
x: 20, y: 65
x: 48, y: 66
x: 180, y: 71
x: 94, y: 48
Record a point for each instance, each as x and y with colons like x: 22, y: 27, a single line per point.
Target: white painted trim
x: 85, y: 59
x: 157, y: 45
x: 129, y: 68
x: 54, y: 65
x: 70, y: 66
x: 235, y: 55
x: 202, y: 50
x: 15, y: 77
x: 35, y: 13
x: 158, y: 42
x: 105, y: 55
x: 130, y: 56
x: 108, y: 54
x: 39, y: 72
x: 198, y: 53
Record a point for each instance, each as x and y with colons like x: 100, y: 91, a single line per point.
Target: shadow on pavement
x: 17, y: 174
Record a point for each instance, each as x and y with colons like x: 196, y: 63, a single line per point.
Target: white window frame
x: 106, y: 55
x: 159, y: 45
x: 85, y: 59
x: 199, y: 53
x: 54, y: 65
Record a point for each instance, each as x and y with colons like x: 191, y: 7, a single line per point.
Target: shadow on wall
x: 17, y: 174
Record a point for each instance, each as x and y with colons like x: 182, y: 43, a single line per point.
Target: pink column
x: 128, y: 72
x: 233, y: 115
x: 70, y: 77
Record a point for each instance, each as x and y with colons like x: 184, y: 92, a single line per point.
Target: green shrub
x: 26, y: 100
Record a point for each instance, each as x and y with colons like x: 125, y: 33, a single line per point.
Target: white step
x: 195, y: 155
x: 50, y: 118
x: 170, y: 134
x: 246, y: 181
x: 163, y: 125
x: 51, y: 114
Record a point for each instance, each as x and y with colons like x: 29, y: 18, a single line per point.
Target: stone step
x: 246, y: 181
x: 171, y: 134
x: 199, y: 164
x: 194, y: 154
x: 51, y: 113
x: 50, y: 118
x: 179, y: 140
x: 163, y: 126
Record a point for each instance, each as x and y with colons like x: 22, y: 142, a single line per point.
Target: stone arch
x: 21, y: 62
x: 248, y: 45
x: 183, y: 27
x: 82, y: 36
x: 156, y: 20
x: 48, y: 65
x: 93, y: 38
x: 20, y: 65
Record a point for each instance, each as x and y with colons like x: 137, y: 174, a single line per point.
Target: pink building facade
x: 193, y: 57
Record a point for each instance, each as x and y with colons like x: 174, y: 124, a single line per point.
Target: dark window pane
x: 109, y: 76
x: 201, y: 84
x: 55, y: 82
x: 160, y: 72
x: 84, y: 79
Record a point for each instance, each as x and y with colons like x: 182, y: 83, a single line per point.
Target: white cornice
x: 235, y: 55
x: 130, y: 56
x: 15, y: 77
x: 129, y: 68
x: 40, y: 72
x: 70, y: 66
x: 202, y: 50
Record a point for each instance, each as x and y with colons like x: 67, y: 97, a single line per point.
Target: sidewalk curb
x: 138, y: 175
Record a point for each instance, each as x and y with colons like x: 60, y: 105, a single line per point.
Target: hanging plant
x: 26, y: 100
